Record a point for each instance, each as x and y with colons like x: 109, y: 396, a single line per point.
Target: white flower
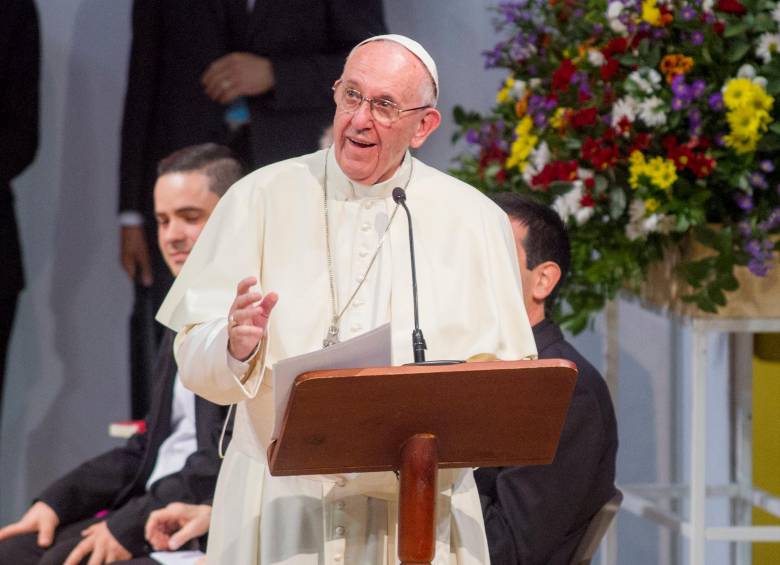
x: 613, y: 16
x: 640, y: 226
x: 768, y: 45
x: 539, y: 157
x: 748, y: 71
x: 627, y: 107
x: 652, y: 111
x: 535, y: 83
x: 776, y: 14
x: 645, y: 80
x: 568, y: 205
x: 596, y: 57
x: 707, y: 5
x: 519, y: 88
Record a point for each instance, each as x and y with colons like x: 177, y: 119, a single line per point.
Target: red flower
x: 493, y: 154
x: 563, y: 75
x: 587, y: 200
x: 555, y: 171
x: 616, y: 46
x: 608, y: 69
x: 640, y: 142
x: 585, y: 117
x: 731, y: 7
x: 601, y: 154
x: 718, y: 28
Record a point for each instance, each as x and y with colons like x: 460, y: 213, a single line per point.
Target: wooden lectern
x: 416, y: 419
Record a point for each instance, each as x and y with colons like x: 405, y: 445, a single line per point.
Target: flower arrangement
x: 641, y: 122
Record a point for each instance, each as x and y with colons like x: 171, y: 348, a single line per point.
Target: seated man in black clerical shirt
x: 176, y: 459
x: 538, y: 514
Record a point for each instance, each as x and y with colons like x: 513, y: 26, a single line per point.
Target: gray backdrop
x: 68, y: 374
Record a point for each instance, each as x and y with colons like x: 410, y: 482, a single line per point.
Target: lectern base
x: 417, y: 500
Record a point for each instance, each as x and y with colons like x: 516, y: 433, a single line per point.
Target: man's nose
x: 175, y: 231
x: 362, y: 117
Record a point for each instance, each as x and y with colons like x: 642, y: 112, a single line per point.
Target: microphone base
x: 436, y: 362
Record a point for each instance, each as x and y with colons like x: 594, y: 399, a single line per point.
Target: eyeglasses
x: 384, y: 111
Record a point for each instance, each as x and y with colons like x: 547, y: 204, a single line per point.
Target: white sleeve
x: 205, y: 368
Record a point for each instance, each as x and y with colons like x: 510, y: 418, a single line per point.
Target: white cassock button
x: 340, y: 530
x: 337, y: 557
x: 341, y: 483
x: 366, y: 226
x: 356, y: 327
x: 368, y: 204
x: 358, y: 303
x: 340, y: 505
x: 363, y: 253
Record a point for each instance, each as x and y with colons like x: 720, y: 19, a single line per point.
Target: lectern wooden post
x: 417, y: 419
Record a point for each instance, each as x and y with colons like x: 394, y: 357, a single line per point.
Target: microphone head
x: 399, y: 195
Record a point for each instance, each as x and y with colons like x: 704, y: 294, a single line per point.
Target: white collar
x: 341, y: 187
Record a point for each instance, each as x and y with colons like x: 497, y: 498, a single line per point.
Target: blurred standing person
x: 282, y: 66
x: 173, y: 42
x: 19, y: 100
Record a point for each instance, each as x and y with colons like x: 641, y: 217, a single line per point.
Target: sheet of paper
x: 177, y: 557
x: 371, y: 349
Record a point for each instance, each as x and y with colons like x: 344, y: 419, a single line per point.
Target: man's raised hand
x: 248, y: 319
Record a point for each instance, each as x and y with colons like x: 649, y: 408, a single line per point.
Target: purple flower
x: 772, y: 221
x: 744, y: 229
x: 758, y: 268
x: 659, y: 33
x: 767, y: 166
x: 472, y: 136
x: 697, y: 38
x: 697, y: 88
x: 679, y: 88
x: 694, y: 122
x: 598, y: 29
x: 716, y: 101
x: 678, y: 104
x: 744, y: 201
x: 687, y: 13
x: 753, y: 246
x: 758, y: 180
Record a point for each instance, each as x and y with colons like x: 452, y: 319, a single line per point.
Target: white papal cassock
x: 271, y: 225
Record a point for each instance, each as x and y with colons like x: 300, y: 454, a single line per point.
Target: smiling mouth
x: 360, y: 144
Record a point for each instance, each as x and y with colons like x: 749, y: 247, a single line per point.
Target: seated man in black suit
x: 176, y: 458
x: 538, y: 514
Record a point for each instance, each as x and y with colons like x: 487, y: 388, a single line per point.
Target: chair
x: 597, y: 528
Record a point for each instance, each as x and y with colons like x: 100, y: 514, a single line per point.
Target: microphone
x: 418, y: 341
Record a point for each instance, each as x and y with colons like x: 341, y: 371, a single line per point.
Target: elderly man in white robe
x: 310, y: 250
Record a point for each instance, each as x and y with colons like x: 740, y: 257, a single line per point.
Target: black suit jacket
x: 116, y: 480
x: 538, y: 514
x: 19, y: 76
x: 165, y: 105
x: 307, y: 42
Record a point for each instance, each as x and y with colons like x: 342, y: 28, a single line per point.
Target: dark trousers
x: 24, y: 549
x: 7, y: 312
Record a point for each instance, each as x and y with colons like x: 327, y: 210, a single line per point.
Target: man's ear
x: 425, y: 127
x: 546, y: 276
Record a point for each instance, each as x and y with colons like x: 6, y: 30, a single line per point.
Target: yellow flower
x: 741, y: 143
x: 738, y: 92
x: 748, y: 113
x: 558, y: 118
x: 651, y: 205
x: 522, y: 145
x: 637, y: 168
x: 650, y: 13
x: 662, y: 172
x: 503, y: 94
